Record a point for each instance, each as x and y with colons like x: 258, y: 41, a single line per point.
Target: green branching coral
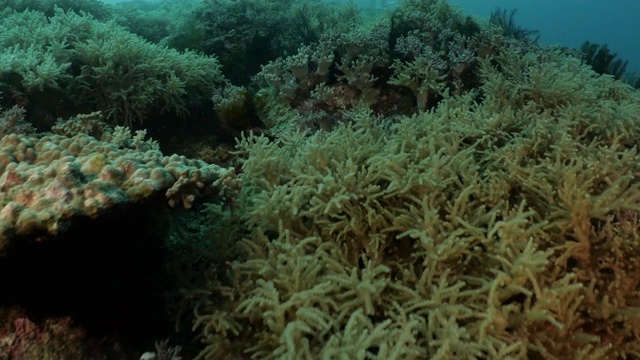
x: 162, y: 22
x: 423, y: 76
x: 519, y: 77
x: 499, y: 224
x: 101, y: 66
x: 95, y: 8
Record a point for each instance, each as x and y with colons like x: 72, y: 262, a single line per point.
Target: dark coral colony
x: 301, y: 179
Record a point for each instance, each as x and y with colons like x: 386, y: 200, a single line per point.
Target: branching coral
x: 423, y: 76
x: 247, y: 34
x: 114, y: 71
x: 96, y: 8
x: 504, y: 227
x: 12, y: 122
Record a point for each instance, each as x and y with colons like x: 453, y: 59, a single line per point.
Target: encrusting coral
x: 501, y: 222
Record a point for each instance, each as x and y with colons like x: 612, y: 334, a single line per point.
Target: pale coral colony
x: 312, y: 180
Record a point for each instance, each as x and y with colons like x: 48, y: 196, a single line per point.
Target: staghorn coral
x: 163, y: 352
x: 501, y: 223
x: 423, y: 76
x: 92, y: 124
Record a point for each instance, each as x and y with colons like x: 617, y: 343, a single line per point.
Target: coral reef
x: 498, y: 219
x: 474, y: 231
x: 95, y: 8
x: 245, y: 34
x: 49, y: 181
x: 12, y: 122
x: 411, y: 184
x: 53, y: 339
x: 396, y: 66
x: 71, y: 64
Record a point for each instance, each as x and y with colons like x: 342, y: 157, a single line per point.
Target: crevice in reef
x: 107, y: 275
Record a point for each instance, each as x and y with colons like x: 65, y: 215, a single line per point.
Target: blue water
x: 571, y: 22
